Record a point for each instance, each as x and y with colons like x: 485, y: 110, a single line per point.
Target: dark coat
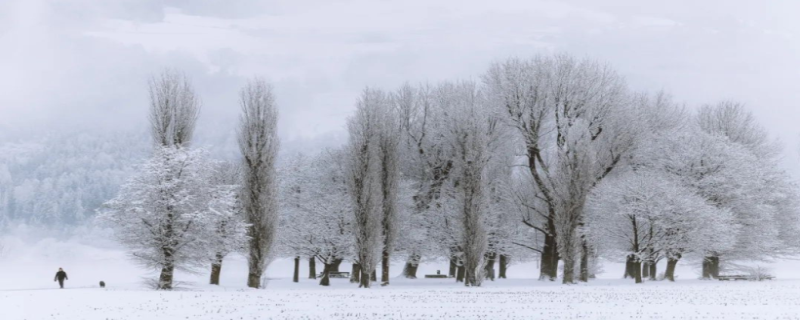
x: 60, y: 276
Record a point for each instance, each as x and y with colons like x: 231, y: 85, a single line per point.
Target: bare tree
x: 388, y: 155
x: 258, y: 142
x: 473, y: 133
x: 426, y: 161
x: 564, y: 110
x: 174, y: 108
x: 362, y: 173
x: 519, y: 89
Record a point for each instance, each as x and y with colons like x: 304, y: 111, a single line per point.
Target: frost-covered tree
x: 227, y: 221
x: 472, y: 133
x: 724, y: 174
x: 505, y: 232
x: 733, y: 121
x: 567, y: 113
x: 316, y: 210
x: 765, y: 206
x: 413, y: 231
x: 166, y: 214
x: 258, y: 143
x: 647, y: 215
x: 428, y: 115
x: 162, y: 213
x: 389, y: 140
x: 362, y: 173
x: 427, y: 164
x: 650, y: 117
x: 174, y: 108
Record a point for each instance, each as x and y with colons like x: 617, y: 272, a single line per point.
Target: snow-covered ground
x: 27, y: 292
x: 406, y: 299
x: 604, y: 299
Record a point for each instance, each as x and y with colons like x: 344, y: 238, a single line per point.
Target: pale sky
x: 84, y: 63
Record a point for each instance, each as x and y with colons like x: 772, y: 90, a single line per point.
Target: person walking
x: 60, y: 277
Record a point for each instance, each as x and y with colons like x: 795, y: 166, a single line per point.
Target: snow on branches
x: 315, y: 209
x: 168, y: 215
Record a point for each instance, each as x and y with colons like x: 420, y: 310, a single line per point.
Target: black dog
x: 102, y: 284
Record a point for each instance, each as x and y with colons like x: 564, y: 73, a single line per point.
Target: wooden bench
x: 436, y: 276
x: 733, y: 277
x: 742, y: 277
x: 336, y: 274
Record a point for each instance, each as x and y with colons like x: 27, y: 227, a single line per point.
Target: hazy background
x: 82, y: 63
x: 73, y: 73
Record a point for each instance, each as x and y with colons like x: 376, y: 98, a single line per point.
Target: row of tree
x: 186, y: 210
x: 552, y: 157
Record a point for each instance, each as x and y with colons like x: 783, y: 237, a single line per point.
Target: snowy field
x: 604, y: 299
x: 27, y: 292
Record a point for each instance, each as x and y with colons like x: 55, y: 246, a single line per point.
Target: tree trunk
x: 711, y: 267
x: 325, y: 279
x: 165, y: 279
x: 216, y: 269
x: 460, y: 274
x: 167, y: 270
x: 334, y: 266
x: 385, y: 268
x: 410, y: 270
x: 364, y: 282
x: 548, y: 269
x: 646, y: 269
x: 489, y: 268
x: 296, y: 275
x: 312, y: 267
x: 669, y: 274
x: 569, y: 269
x: 253, y: 280
x: 470, y: 277
x: 584, y: 272
x: 637, y: 270
x: 412, y: 264
x: 453, y: 268
x: 715, y: 267
x: 503, y: 266
x: 355, y: 276
x: 629, y: 267
x: 373, y: 276
x: 254, y: 269
x: 653, y: 268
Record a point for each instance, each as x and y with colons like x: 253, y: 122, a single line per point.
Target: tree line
x: 58, y: 180
x: 551, y: 158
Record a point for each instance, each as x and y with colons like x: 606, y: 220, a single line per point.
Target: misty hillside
x: 60, y: 179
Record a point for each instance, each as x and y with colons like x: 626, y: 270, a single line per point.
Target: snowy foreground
x: 27, y: 291
x: 605, y: 299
